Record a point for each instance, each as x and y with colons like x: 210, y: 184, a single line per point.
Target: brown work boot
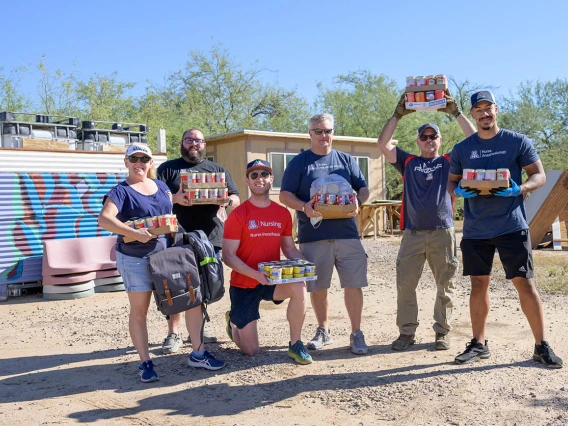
x: 442, y: 342
x: 403, y: 341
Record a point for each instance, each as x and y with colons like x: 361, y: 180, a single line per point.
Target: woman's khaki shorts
x: 348, y: 257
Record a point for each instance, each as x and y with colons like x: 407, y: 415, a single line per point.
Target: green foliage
x: 11, y: 99
x: 540, y: 111
x: 105, y: 98
x: 215, y: 93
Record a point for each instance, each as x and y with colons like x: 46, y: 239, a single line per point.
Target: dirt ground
x: 69, y: 362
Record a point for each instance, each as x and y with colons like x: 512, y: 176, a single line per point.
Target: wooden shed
x: 235, y: 149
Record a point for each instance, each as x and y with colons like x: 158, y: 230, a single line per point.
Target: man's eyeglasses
x: 424, y: 138
x: 320, y: 131
x: 191, y: 141
x: 134, y: 159
x: 254, y: 175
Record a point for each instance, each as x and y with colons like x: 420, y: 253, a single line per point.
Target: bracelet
x: 304, y: 208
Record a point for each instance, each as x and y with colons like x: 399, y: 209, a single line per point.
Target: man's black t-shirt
x: 204, y: 216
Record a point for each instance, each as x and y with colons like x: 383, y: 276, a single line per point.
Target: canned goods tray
x: 431, y: 106
x: 333, y: 211
x: 190, y: 185
x: 484, y: 185
x: 292, y: 280
x: 156, y: 231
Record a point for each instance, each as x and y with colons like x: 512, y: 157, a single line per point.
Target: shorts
x: 135, y: 273
x: 246, y: 301
x: 348, y: 256
x: 514, y: 250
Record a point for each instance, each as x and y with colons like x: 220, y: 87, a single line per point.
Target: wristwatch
x: 230, y: 203
x: 458, y: 113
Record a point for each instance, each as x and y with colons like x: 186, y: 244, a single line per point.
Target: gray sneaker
x: 321, y: 338
x: 207, y: 337
x: 442, y: 342
x: 171, y: 343
x: 358, y: 345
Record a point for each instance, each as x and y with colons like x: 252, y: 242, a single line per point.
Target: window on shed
x: 363, y: 163
x: 279, y: 162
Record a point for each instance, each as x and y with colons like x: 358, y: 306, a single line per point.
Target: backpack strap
x: 168, y: 292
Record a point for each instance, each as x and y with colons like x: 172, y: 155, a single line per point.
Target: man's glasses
x: 134, y: 159
x: 320, y: 131
x: 191, y: 141
x: 424, y: 138
x: 254, y: 175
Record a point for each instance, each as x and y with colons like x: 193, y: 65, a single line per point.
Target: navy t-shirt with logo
x: 488, y: 216
x: 426, y: 204
x: 131, y: 205
x: 298, y: 177
x: 202, y: 216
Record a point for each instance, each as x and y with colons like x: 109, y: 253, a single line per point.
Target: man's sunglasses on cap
x: 320, y: 131
x: 134, y: 159
x: 264, y: 174
x: 424, y: 138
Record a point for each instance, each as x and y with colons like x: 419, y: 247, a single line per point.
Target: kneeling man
x: 255, y: 232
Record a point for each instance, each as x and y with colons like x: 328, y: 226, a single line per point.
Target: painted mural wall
x: 41, y: 206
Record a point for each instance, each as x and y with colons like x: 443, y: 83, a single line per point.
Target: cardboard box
x: 332, y: 211
x: 218, y: 201
x: 431, y: 106
x: 429, y: 88
x: 292, y: 280
x: 190, y: 185
x: 157, y: 231
x: 484, y: 185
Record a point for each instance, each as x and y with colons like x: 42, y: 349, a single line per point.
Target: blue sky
x: 498, y: 43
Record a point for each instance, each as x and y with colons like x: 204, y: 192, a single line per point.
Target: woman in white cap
x: 141, y: 196
x: 138, y: 196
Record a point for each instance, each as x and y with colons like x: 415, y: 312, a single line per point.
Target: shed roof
x: 243, y: 132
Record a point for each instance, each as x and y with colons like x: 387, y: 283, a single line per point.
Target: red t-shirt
x: 259, y: 231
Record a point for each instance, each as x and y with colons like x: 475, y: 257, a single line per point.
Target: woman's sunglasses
x: 134, y: 159
x: 254, y: 175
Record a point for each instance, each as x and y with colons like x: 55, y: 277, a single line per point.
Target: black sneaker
x: 544, y: 354
x: 473, y: 351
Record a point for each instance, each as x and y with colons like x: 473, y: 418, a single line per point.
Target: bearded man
x: 193, y: 217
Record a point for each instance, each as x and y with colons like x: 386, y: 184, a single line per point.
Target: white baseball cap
x: 134, y: 148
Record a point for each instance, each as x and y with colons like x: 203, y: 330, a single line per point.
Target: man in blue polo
x: 498, y: 222
x: 428, y: 223
x: 334, y: 243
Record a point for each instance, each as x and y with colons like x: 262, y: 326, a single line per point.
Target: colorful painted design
x: 42, y: 206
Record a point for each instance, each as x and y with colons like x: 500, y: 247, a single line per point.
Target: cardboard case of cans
x: 333, y: 206
x: 426, y: 93
x: 205, y: 188
x: 155, y: 225
x: 485, y: 180
x: 288, y: 271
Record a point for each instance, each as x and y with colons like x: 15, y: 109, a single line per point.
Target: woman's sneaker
x: 544, y: 354
x: 147, y: 372
x: 299, y: 353
x: 207, y: 361
x: 171, y: 343
x: 474, y: 351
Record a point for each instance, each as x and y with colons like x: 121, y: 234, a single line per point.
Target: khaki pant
x: 438, y: 247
